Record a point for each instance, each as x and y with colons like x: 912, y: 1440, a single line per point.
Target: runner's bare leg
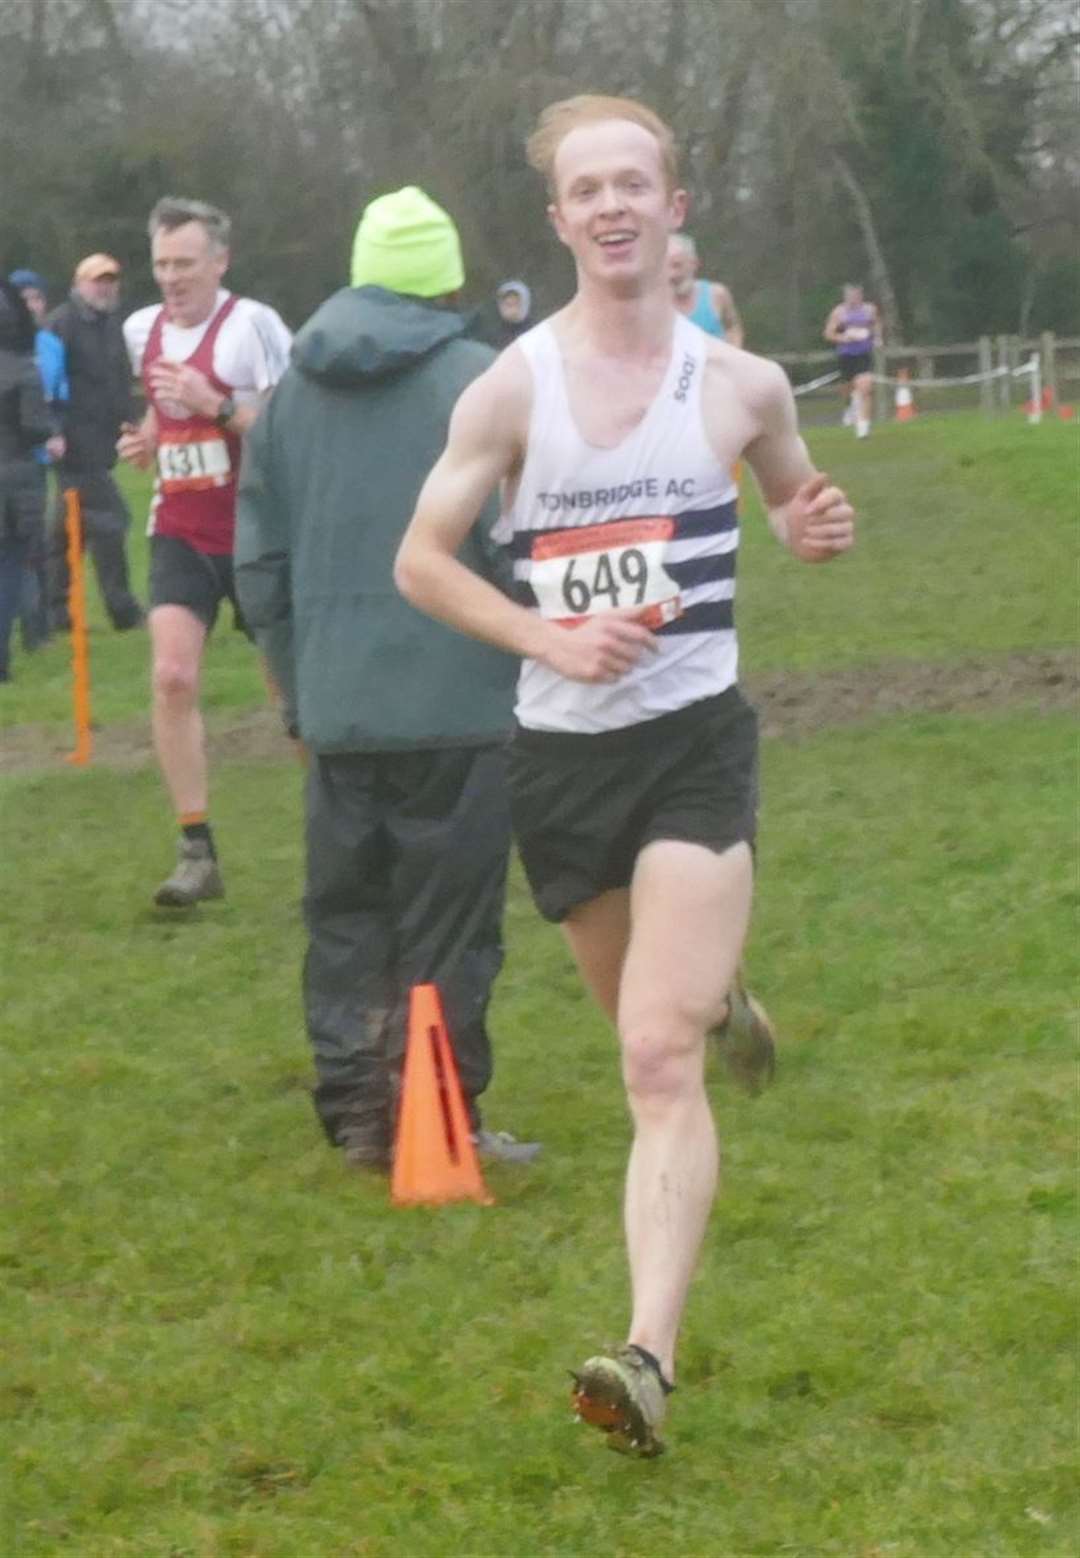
x: 598, y: 933
x: 689, y: 913
x: 177, y: 638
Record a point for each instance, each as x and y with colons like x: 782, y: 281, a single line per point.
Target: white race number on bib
x: 193, y: 464
x: 580, y: 573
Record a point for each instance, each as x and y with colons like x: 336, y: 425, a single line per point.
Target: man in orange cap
x: 99, y: 402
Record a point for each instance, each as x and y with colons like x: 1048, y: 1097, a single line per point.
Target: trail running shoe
x: 621, y: 1393
x: 746, y: 1041
x: 196, y: 877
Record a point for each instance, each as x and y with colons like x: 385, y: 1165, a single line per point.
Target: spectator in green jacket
x: 405, y: 722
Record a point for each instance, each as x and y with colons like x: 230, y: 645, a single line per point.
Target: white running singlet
x: 650, y: 523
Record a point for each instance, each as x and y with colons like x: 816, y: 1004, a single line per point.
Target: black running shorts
x: 584, y: 806
x: 851, y: 365
x: 180, y: 575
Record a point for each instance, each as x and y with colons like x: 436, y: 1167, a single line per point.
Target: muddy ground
x: 790, y: 704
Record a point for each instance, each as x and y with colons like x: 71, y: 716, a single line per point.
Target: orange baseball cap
x: 97, y: 266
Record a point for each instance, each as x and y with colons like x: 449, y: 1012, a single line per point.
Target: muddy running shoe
x: 746, y: 1041
x: 622, y: 1393
x: 196, y: 877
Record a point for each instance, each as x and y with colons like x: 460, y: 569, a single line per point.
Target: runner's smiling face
x: 612, y: 208
x: 188, y: 268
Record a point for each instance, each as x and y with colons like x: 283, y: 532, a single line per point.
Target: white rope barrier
x: 826, y: 378
x: 1031, y: 367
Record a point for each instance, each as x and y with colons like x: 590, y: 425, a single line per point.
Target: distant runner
x: 854, y: 328
x: 206, y: 358
x: 708, y: 304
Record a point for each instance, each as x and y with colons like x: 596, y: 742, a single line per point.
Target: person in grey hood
x: 404, y: 722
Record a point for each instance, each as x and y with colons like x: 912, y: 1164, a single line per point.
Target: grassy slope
x: 223, y: 1346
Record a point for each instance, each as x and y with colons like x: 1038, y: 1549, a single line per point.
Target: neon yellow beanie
x: 407, y: 243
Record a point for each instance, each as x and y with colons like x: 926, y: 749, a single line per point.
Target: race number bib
x: 580, y: 573
x: 856, y: 333
x: 194, y: 463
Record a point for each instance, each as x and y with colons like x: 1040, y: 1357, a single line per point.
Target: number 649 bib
x: 580, y: 573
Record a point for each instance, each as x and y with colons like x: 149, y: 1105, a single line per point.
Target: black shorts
x: 852, y: 366
x: 584, y: 806
x: 180, y: 575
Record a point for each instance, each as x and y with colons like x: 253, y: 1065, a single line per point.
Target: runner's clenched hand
x: 187, y: 386
x: 820, y: 521
x: 135, y: 445
x: 601, y: 649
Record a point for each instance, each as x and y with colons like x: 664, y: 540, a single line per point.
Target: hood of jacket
x: 368, y: 332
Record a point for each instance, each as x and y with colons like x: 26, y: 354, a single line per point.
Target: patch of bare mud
x: 790, y: 703
x: 793, y: 703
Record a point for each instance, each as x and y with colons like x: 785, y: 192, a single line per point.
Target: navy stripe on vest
x: 689, y: 526
x: 708, y: 616
x: 702, y: 570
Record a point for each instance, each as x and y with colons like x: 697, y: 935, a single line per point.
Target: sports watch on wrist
x: 225, y: 412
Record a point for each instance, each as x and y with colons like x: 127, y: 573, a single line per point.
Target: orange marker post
x: 434, y: 1157
x: 80, y: 645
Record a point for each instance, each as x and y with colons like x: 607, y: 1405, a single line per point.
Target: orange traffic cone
x: 905, y: 400
x: 434, y: 1157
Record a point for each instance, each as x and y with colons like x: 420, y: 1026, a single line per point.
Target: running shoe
x: 622, y: 1394
x: 196, y: 877
x: 746, y: 1041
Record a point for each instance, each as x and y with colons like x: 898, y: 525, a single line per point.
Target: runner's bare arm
x: 807, y: 513
x: 724, y: 304
x: 834, y: 332
x: 483, y: 449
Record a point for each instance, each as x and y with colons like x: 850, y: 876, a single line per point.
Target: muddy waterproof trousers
x: 406, y: 882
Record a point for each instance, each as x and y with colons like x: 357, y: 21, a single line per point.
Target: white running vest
x: 650, y: 523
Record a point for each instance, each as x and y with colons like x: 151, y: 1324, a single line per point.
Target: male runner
x: 854, y: 328
x: 709, y: 304
x: 633, y: 770
x: 206, y: 358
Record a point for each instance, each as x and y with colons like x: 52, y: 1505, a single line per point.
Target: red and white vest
x: 198, y: 462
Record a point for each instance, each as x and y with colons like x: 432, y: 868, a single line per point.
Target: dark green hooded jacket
x: 331, y: 473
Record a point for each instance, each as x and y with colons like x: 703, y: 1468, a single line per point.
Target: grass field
x: 220, y: 1344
